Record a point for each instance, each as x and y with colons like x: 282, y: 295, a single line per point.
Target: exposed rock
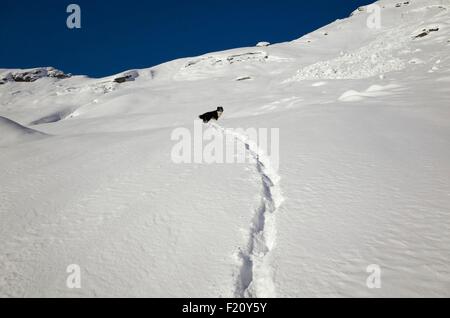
x: 231, y: 59
x: 34, y: 74
x: 357, y: 11
x: 247, y: 56
x: 127, y: 77
x: 243, y: 78
x: 398, y: 5
x: 425, y: 32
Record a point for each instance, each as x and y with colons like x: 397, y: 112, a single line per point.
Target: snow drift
x: 13, y: 133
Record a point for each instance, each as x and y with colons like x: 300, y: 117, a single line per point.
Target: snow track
x: 255, y: 277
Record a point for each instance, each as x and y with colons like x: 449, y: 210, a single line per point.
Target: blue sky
x: 121, y: 35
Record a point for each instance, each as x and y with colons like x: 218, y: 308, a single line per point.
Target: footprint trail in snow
x: 255, y: 277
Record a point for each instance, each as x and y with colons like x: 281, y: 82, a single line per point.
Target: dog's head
x: 220, y: 111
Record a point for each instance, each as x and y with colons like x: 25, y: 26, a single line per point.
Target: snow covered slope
x: 87, y: 177
x: 13, y: 133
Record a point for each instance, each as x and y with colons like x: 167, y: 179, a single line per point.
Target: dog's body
x: 212, y: 115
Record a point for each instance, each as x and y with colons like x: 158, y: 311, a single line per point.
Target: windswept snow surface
x: 13, y: 133
x: 87, y: 177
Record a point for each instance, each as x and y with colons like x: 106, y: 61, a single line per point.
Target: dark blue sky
x: 121, y: 35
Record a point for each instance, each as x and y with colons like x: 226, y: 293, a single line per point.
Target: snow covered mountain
x: 363, y: 112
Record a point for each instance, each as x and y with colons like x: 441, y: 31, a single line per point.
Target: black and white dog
x: 212, y: 115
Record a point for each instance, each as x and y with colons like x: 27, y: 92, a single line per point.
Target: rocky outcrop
x: 243, y: 78
x: 254, y: 56
x: 425, y: 32
x: 398, y: 5
x: 32, y: 75
x: 127, y: 77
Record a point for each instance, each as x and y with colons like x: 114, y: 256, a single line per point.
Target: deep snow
x: 87, y: 177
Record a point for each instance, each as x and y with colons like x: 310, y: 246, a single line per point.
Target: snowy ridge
x: 13, y: 132
x: 31, y: 75
x: 256, y: 277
